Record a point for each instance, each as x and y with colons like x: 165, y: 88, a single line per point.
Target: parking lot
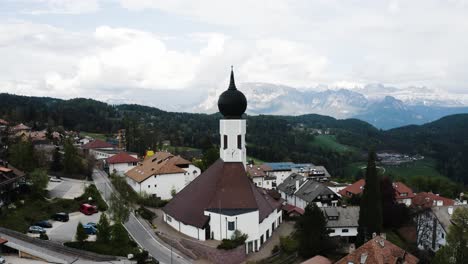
x: 66, y: 188
x: 65, y: 231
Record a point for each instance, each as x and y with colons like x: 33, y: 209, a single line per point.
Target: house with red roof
x: 403, y: 193
x: 101, y: 150
x: 426, y: 200
x: 378, y: 250
x: 10, y: 179
x: 121, y: 163
x: 259, y: 176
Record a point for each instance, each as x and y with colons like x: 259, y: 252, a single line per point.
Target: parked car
x: 2, y: 260
x: 92, y: 224
x: 55, y: 179
x: 36, y: 230
x: 62, y: 217
x: 44, y: 224
x: 89, y: 229
x: 88, y: 209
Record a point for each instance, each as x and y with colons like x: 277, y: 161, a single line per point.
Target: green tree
x: 39, y: 179
x: 120, y: 235
x: 370, y: 213
x: 23, y: 156
x: 71, y: 160
x: 311, y: 232
x: 103, y: 229
x: 119, y: 208
x: 80, y: 235
x: 56, y: 164
x: 456, y: 249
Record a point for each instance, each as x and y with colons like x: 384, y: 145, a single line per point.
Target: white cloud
x: 63, y: 7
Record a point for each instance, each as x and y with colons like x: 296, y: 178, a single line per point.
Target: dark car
x: 89, y: 229
x: 62, y: 217
x: 44, y: 224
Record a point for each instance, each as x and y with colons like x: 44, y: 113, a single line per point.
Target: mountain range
x: 382, y: 106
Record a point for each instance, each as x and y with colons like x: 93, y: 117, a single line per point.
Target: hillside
x: 270, y: 138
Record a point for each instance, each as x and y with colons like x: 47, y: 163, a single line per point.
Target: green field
x: 424, y: 167
x: 329, y: 142
x: 94, y: 135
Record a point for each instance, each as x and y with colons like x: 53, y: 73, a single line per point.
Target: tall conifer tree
x: 370, y: 214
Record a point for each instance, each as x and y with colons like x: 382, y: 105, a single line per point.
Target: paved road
x: 65, y: 231
x: 139, y: 230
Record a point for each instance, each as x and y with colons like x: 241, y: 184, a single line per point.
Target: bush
x: 236, y: 240
x: 146, y: 213
x: 43, y: 236
x: 154, y: 202
x: 288, y: 244
x: 92, y: 191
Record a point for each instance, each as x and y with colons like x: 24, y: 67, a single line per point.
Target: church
x: 223, y: 198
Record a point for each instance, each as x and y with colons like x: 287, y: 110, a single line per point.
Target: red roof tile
x: 317, y: 260
x: 122, y: 157
x: 3, y: 241
x: 378, y: 251
x: 3, y: 122
x: 96, y: 144
x: 357, y: 188
x: 428, y: 199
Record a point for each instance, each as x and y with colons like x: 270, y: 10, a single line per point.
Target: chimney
x: 374, y: 235
x: 352, y: 248
x: 363, y: 258
x: 450, y: 210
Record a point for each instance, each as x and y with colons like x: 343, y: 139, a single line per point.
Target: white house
x: 161, y: 175
x: 260, y: 178
x: 342, y: 221
x: 432, y: 226
x: 121, y: 163
x: 223, y: 198
x: 299, y: 191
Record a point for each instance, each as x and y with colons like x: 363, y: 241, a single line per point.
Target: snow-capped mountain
x: 384, y: 107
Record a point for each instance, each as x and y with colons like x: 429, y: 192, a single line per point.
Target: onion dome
x: 232, y: 102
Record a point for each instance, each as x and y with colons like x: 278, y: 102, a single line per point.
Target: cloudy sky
x: 130, y: 49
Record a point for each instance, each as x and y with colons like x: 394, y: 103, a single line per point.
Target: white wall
x: 232, y: 128
x: 188, y: 230
x: 265, y: 184
x: 280, y: 175
x: 352, y: 231
x: 425, y: 232
x: 99, y: 155
x: 121, y: 168
x: 246, y: 223
x: 406, y: 201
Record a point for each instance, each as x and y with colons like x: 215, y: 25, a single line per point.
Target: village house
x: 121, y: 163
x: 403, y: 194
x: 10, y: 179
x: 20, y: 128
x: 299, y: 191
x: 429, y: 199
x: 432, y: 226
x: 378, y: 250
x: 162, y: 175
x: 260, y: 177
x: 99, y: 149
x: 223, y: 198
x: 342, y: 221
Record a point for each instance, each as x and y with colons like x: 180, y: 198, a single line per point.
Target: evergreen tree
x: 103, y: 229
x: 370, y: 213
x: 71, y: 161
x: 311, y: 232
x: 56, y: 164
x: 23, y: 156
x: 394, y: 214
x: 80, y: 235
x: 120, y: 235
x: 119, y: 208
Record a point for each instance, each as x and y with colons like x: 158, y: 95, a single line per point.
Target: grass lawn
x: 425, y: 167
x: 329, y: 142
x: 94, y: 135
x: 395, y: 239
x: 179, y: 149
x: 110, y: 248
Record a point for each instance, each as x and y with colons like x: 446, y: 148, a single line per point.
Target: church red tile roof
x: 224, y: 186
x: 97, y: 144
x: 378, y: 251
x: 122, y: 157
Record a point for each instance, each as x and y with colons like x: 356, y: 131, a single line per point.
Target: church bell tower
x: 232, y: 128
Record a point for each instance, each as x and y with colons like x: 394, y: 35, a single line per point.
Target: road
x: 139, y: 230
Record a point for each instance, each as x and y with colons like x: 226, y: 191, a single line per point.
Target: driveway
x: 66, y: 188
x: 65, y: 231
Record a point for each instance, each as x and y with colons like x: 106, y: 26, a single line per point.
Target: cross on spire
x: 232, y: 84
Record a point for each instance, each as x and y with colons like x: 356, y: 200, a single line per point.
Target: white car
x: 2, y: 260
